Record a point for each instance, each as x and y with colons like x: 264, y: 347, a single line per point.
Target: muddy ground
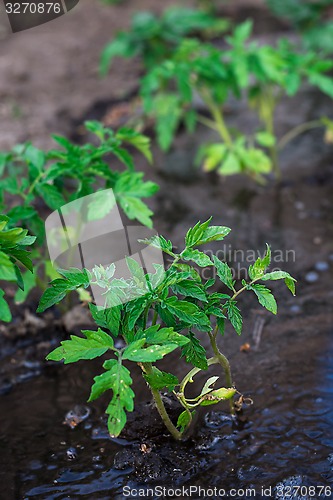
x: 49, y: 83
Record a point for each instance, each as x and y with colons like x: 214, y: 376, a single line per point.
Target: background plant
x: 310, y: 19
x: 262, y: 74
x: 174, y: 309
x: 13, y: 256
x: 43, y: 181
x: 154, y: 38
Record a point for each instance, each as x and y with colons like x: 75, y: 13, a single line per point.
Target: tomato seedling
x: 172, y: 310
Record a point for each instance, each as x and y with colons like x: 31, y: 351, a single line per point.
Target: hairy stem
x: 147, y: 368
x: 223, y: 361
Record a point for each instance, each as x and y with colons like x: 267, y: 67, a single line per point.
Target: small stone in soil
x: 321, y: 266
x: 295, y: 309
x: 311, y: 277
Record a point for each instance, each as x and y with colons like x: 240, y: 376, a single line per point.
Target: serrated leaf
x: 135, y: 351
x: 189, y: 289
x: 235, y: 316
x: 278, y: 275
x: 195, y: 234
x: 195, y: 353
x: 135, y: 308
x: 183, y: 421
x: 51, y: 195
x: 214, y: 233
x: 118, y: 379
x: 160, y: 380
x: 156, y: 335
x: 290, y: 283
x: 265, y: 297
x: 159, y: 242
x: 196, y: 256
x: 257, y: 270
x: 107, y: 318
x: 94, y: 345
x: 187, y: 312
x: 224, y: 273
x: 75, y: 278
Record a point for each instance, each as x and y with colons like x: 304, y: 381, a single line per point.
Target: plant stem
x: 217, y: 114
x: 147, y: 367
x: 273, y: 150
x: 300, y: 129
x: 223, y: 361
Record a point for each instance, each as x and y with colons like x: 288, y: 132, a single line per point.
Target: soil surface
x: 53, y: 445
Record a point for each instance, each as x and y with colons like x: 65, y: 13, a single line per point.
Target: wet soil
x: 53, y: 445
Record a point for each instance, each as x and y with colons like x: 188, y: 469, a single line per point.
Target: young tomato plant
x: 173, y: 309
x: 261, y: 74
x: 13, y: 255
x: 63, y: 175
x: 311, y: 19
x: 154, y: 38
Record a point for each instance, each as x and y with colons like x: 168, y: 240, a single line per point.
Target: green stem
x: 218, y: 117
x: 300, y: 129
x: 147, y: 367
x: 273, y: 150
x: 223, y: 361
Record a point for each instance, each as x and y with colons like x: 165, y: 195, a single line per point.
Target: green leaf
x: 7, y: 268
x: 156, y: 335
x: 231, y: 164
x: 224, y: 273
x: 189, y: 289
x: 214, y: 233
x: 167, y: 112
x: 139, y: 141
x: 218, y: 395
x: 183, y: 421
x: 265, y: 297
x: 194, y: 353
x: 160, y: 380
x: 29, y: 280
x: 265, y: 139
x: 17, y: 214
x: 135, y: 308
x: 94, y: 345
x: 51, y: 195
x: 75, y: 278
x: 184, y: 310
x: 23, y: 256
x: 5, y: 314
x: 118, y: 379
x: 196, y: 256
x: 135, y: 351
x: 129, y: 189
x: 235, y: 316
x: 159, y: 242
x: 257, y: 270
x: 195, y: 234
x: 290, y: 283
x: 107, y: 318
x: 278, y: 275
